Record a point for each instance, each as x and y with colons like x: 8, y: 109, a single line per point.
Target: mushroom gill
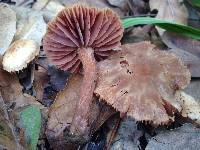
x: 77, y: 38
x: 141, y: 81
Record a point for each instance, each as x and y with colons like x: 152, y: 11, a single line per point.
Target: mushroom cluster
x: 76, y: 39
x: 141, y: 81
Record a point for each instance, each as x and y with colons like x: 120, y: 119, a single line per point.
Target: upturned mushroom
x: 76, y: 39
x: 141, y: 81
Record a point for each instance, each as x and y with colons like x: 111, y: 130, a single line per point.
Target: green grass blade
x: 195, y: 3
x: 167, y: 25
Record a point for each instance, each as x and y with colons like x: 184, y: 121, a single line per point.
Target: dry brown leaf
x: 174, y: 40
x: 186, y: 48
x: 8, y: 140
x: 62, y: 111
x: 12, y: 89
x: 61, y: 115
x: 49, y: 8
x: 30, y: 25
x: 93, y: 3
x: 190, y: 60
x: 40, y: 80
x: 141, y: 82
x: 64, y: 107
x: 183, y: 138
x: 172, y: 10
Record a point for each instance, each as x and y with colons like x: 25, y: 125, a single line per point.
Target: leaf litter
x: 39, y: 101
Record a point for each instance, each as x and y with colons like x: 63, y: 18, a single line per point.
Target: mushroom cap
x: 141, y: 81
x: 19, y: 54
x: 79, y: 27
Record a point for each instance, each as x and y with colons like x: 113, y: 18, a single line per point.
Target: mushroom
x: 19, y: 55
x: 77, y: 38
x: 141, y: 81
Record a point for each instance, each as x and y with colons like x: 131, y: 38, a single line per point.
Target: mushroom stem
x: 80, y: 120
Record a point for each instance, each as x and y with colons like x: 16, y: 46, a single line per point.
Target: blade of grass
x: 195, y: 3
x: 167, y: 25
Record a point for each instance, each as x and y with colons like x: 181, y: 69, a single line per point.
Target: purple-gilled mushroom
x: 75, y: 40
x: 141, y: 81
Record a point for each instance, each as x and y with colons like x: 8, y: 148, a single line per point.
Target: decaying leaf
x: 58, y: 78
x: 62, y: 111
x: 92, y: 3
x: 171, y: 10
x: 138, y: 7
x: 30, y: 119
x: 49, y: 8
x: 7, y: 26
x: 19, y: 54
x: 190, y: 60
x: 30, y: 25
x: 10, y: 87
x: 185, y: 137
x: 118, y: 3
x: 8, y: 139
x: 127, y: 136
x: 41, y: 79
x: 141, y: 81
x: 174, y: 40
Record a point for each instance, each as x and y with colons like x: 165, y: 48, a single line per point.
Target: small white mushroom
x: 19, y: 55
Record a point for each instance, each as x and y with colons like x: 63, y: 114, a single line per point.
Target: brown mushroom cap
x: 141, y: 81
x: 81, y: 27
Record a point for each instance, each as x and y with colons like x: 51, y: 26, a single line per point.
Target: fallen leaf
x: 170, y: 10
x: 49, y: 8
x: 141, y: 80
x: 41, y: 79
x: 58, y: 78
x: 8, y: 139
x: 30, y: 119
x: 138, y: 7
x: 96, y: 3
x: 185, y: 137
x: 26, y: 77
x: 118, y: 3
x: 23, y: 3
x: 62, y: 111
x: 190, y: 60
x: 128, y: 135
x: 7, y: 26
x: 174, y: 41
x: 30, y: 24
